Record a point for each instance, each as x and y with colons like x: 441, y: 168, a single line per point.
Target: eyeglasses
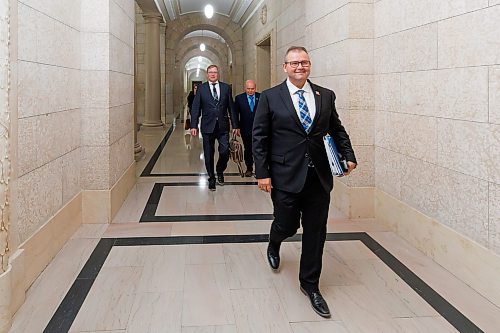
x: 212, y: 72
x: 295, y: 64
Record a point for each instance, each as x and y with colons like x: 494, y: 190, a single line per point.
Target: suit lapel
x: 287, y: 100
x: 222, y: 89
x: 245, y: 97
x: 317, y: 100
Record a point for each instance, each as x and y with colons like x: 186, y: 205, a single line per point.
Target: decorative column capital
x: 152, y: 18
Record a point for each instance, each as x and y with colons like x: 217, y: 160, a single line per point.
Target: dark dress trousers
x: 246, y: 117
x: 283, y: 151
x: 214, y: 123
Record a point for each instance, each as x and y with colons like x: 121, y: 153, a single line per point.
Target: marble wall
x: 437, y: 118
x: 49, y: 110
x: 339, y: 36
x: 75, y: 102
x: 285, y: 24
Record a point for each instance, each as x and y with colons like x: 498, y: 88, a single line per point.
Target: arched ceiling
x: 198, y: 62
x: 239, y: 11
x: 205, y: 33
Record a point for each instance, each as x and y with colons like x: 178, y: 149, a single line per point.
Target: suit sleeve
x: 339, y: 134
x: 261, y: 136
x: 195, y: 109
x: 237, y: 108
x: 232, y: 110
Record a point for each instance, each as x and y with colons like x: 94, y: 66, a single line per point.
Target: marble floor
x: 179, y: 258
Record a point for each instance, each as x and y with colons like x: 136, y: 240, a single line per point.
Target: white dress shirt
x: 217, y: 87
x: 308, y: 95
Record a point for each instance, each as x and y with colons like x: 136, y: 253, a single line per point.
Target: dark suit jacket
x: 212, y: 113
x: 190, y: 100
x: 246, y: 116
x: 281, y: 146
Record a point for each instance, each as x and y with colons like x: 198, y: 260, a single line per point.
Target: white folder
x: 338, y: 165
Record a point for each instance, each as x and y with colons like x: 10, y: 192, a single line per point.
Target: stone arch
x: 179, y: 93
x: 222, y: 25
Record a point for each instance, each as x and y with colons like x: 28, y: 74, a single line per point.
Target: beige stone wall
x: 285, y: 25
x: 339, y: 38
x: 75, y: 103
x: 107, y: 92
x: 437, y: 93
x: 49, y: 110
x: 5, y: 141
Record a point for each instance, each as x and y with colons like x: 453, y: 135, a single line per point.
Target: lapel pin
x: 317, y: 92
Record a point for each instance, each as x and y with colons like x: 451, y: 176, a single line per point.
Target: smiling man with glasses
x: 291, y: 163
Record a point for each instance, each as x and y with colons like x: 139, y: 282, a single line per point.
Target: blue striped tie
x: 305, y: 117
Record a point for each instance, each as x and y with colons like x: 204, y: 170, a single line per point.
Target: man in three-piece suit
x: 214, y: 102
x: 245, y: 105
x: 291, y: 163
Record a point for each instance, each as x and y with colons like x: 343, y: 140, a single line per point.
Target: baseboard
x: 122, y: 188
x: 353, y: 202
x: 100, y: 206
x: 5, y: 298
x: 42, y: 246
x: 18, y: 294
x: 472, y: 263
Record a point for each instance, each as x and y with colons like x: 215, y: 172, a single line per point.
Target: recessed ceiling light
x: 209, y: 11
x: 202, y: 47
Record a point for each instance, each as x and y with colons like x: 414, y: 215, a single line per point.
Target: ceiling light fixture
x: 209, y: 11
x: 202, y: 47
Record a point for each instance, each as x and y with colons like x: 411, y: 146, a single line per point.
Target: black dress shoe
x: 220, y: 180
x: 248, y: 173
x: 273, y: 257
x: 318, y: 303
x: 211, y: 184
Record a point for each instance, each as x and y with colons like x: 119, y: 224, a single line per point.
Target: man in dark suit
x: 245, y: 105
x: 214, y: 102
x: 290, y: 122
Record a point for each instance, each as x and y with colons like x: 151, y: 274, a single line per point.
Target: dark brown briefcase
x: 236, y: 153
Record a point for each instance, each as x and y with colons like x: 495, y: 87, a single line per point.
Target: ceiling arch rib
x: 211, y: 44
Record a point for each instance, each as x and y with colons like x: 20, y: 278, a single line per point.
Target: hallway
x: 107, y: 221
x: 178, y: 258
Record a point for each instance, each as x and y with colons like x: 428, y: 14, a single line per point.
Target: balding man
x: 245, y: 106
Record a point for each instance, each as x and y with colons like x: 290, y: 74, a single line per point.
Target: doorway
x: 264, y: 64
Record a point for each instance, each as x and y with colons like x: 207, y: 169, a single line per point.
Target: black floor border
x: 156, y: 155
x: 192, y: 174
x: 67, y: 311
x: 149, y: 212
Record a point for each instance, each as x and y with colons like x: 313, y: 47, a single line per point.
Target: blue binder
x: 338, y: 164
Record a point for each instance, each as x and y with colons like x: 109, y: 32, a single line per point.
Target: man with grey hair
x: 291, y: 163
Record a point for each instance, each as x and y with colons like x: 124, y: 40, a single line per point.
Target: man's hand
x: 236, y: 131
x: 350, y: 166
x: 194, y: 131
x: 265, y: 184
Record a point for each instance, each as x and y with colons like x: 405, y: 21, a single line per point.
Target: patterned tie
x: 252, y: 103
x: 305, y: 117
x: 214, y: 93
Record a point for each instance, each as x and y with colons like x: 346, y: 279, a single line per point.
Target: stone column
x: 5, y: 283
x: 139, y: 151
x: 153, y: 71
